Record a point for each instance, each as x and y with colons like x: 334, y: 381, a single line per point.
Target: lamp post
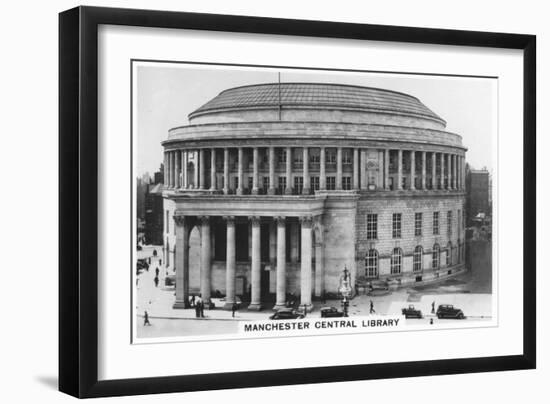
x: 345, y: 289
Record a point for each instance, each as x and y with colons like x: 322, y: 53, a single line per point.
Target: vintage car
x: 286, y: 314
x: 331, y: 312
x: 170, y: 280
x: 411, y: 312
x: 449, y: 311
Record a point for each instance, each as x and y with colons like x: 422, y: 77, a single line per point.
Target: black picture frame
x: 78, y: 196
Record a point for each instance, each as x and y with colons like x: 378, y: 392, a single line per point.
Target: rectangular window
x: 347, y: 156
x: 282, y: 156
x: 315, y: 183
x: 314, y: 156
x: 330, y: 155
x: 436, y: 223
x: 331, y: 183
x: 346, y: 183
x: 396, y: 225
x: 298, y: 156
x: 265, y: 183
x: 372, y: 226
x: 449, y: 222
x: 298, y: 184
x: 282, y: 185
x: 418, y: 224
x: 236, y: 182
x: 250, y: 181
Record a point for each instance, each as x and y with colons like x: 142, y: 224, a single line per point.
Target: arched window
x: 435, y: 257
x: 371, y: 264
x: 396, y: 259
x: 449, y: 257
x: 417, y: 259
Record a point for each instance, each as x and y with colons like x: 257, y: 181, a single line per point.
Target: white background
x: 29, y: 165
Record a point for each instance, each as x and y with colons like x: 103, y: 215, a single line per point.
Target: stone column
x: 449, y: 172
x: 355, y: 168
x: 255, y: 171
x: 176, y: 170
x: 455, y: 172
x: 255, y: 267
x: 288, y: 190
x: 307, y: 185
x: 442, y: 169
x: 322, y: 170
x: 184, y: 178
x: 196, y: 175
x: 213, y: 170
x: 413, y: 169
x: 240, y: 171
x: 339, y: 168
x: 434, y: 177
x: 305, y: 270
x: 165, y: 169
x: 281, y: 264
x: 226, y: 178
x: 206, y: 260
x: 202, y: 165
x: 423, y: 170
x: 319, y: 269
x: 271, y: 189
x: 399, y: 169
x: 387, y: 169
x: 170, y: 169
x: 363, y: 172
x: 230, y: 263
x: 182, y: 262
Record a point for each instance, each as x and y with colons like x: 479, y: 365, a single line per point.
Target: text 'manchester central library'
x: 274, y: 188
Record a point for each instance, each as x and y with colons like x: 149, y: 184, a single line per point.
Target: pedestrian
x: 431, y: 320
x: 202, y: 309
x: 371, y: 307
x: 154, y: 253
x: 233, y: 309
x: 192, y: 300
x: 157, y: 271
x: 198, y: 304
x: 156, y: 281
x: 160, y: 261
x: 433, y: 307
x: 146, y: 318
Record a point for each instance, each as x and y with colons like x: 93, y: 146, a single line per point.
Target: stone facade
x: 270, y: 188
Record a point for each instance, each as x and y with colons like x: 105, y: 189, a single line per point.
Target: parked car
x: 286, y: 314
x: 331, y: 312
x: 449, y: 311
x: 170, y: 280
x: 411, y: 312
x: 379, y: 285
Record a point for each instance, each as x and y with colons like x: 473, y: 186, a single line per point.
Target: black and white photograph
x: 276, y: 201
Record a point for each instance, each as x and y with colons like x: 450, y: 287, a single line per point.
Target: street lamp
x: 345, y: 289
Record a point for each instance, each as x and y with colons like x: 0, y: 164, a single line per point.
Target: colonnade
x: 184, y: 225
x: 315, y: 174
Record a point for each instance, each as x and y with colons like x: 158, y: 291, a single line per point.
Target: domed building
x: 274, y: 189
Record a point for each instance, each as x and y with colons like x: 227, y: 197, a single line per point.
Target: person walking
x: 157, y: 271
x: 146, y: 318
x: 433, y: 307
x: 233, y: 309
x: 192, y: 300
x: 156, y: 281
x: 202, y: 309
x: 198, y: 303
x: 372, y: 307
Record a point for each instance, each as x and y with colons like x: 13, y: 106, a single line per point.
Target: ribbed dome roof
x: 316, y: 95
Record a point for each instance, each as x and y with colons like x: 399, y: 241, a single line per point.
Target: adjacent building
x: 275, y: 188
x: 477, y: 191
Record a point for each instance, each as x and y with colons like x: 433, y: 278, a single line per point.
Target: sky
x: 167, y: 93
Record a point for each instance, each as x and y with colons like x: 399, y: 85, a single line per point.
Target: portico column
x: 176, y: 169
x: 434, y: 177
x: 387, y: 169
x: 230, y: 263
x: 255, y: 171
x: 449, y: 172
x: 184, y: 182
x: 240, y: 172
x: 182, y: 262
x: 399, y: 169
x: 322, y: 170
x: 442, y: 169
x: 355, y: 168
x: 319, y: 269
x: 305, y: 272
x: 213, y: 169
x: 339, y: 168
x: 306, y: 190
x: 271, y: 189
x: 363, y: 173
x: 255, y: 303
x: 202, y: 164
x: 206, y: 260
x: 170, y: 169
x: 280, y: 301
x: 165, y: 169
x: 455, y: 176
x: 413, y: 170
x: 196, y: 174
x: 423, y: 170
x: 288, y: 189
x: 226, y: 171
